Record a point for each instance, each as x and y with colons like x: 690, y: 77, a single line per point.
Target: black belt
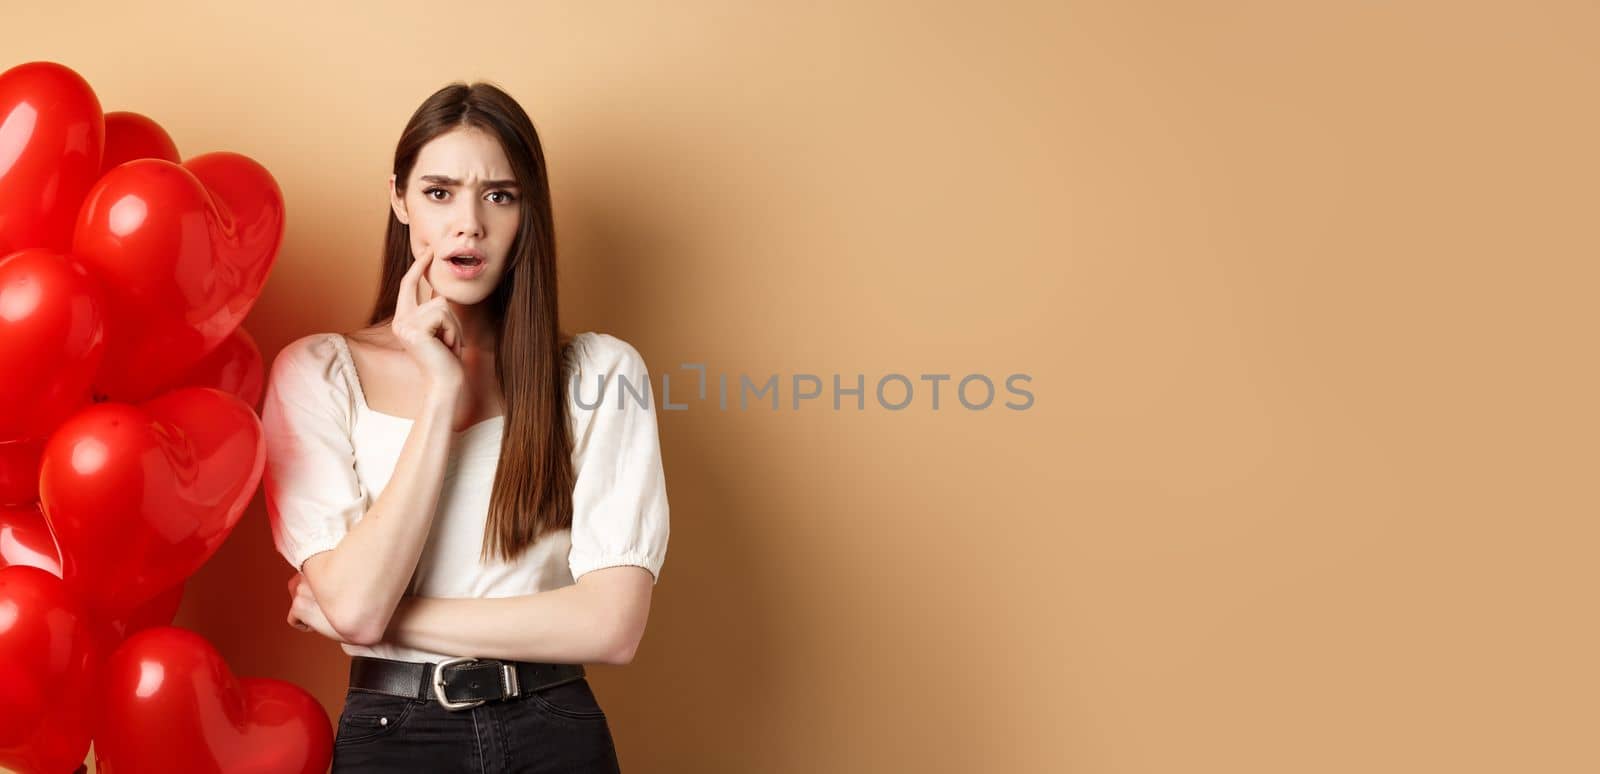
x: 459, y: 683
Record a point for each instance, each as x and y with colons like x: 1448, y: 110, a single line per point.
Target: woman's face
x: 461, y: 197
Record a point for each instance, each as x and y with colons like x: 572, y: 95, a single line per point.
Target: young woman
x: 473, y: 499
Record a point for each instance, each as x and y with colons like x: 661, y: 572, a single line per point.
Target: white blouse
x: 329, y: 456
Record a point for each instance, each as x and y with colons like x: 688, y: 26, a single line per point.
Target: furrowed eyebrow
x: 450, y: 181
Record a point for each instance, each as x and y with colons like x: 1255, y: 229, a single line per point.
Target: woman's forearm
x: 569, y: 625
x: 361, y: 580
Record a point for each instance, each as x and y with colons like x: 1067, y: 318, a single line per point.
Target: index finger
x: 408, y: 284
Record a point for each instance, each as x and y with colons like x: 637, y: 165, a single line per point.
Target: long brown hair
x: 533, y: 485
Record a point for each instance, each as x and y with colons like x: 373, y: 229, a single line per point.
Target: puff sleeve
x: 312, y: 491
x: 619, y: 502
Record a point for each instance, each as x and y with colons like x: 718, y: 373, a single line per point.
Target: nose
x: 467, y: 223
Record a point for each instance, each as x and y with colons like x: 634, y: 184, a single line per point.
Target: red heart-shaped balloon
x: 19, y: 471
x: 47, y: 673
x: 52, y: 135
x: 234, y: 366
x: 132, y: 136
x: 52, y: 339
x: 25, y: 539
x: 182, y: 252
x: 139, y: 497
x: 171, y: 704
x: 156, y: 612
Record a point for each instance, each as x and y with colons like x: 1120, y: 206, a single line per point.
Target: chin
x: 464, y: 291
x: 463, y: 296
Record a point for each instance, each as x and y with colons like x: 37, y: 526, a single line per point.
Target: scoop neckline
x: 348, y: 362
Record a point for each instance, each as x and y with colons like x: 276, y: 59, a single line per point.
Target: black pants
x: 559, y: 729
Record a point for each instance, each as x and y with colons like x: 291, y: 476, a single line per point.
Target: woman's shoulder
x: 314, y: 360
x: 597, y: 352
x: 308, y: 349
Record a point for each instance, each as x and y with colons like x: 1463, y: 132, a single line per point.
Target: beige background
x: 1304, y: 288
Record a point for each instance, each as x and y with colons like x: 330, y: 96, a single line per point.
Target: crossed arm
x: 599, y: 619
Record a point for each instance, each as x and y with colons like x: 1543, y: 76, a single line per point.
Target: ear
x: 397, y: 203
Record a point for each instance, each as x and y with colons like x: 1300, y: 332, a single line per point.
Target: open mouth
x: 465, y: 266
